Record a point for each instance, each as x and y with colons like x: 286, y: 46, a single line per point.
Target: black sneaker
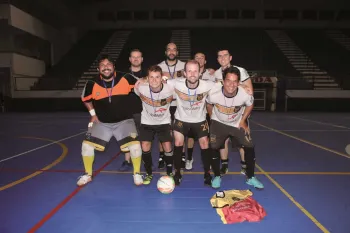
x: 177, y: 179
x: 207, y: 179
x: 161, y: 163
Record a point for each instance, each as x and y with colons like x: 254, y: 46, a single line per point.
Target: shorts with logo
x: 101, y: 133
x: 199, y: 130
x: 219, y: 132
x: 163, y: 132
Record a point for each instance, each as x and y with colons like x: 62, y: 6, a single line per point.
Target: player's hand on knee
x: 243, y: 125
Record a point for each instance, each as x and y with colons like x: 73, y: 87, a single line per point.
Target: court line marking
x: 291, y: 198
x: 319, y: 122
x: 40, y: 147
x: 163, y: 172
x: 68, y: 198
x: 54, y: 163
x: 303, y: 140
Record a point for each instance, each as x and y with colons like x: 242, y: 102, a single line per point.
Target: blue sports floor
x: 300, y: 159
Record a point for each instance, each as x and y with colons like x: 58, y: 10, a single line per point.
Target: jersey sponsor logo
x: 190, y: 98
x: 156, y: 103
x: 228, y: 110
x: 161, y: 110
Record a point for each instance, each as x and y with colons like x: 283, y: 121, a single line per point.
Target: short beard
x: 106, y: 77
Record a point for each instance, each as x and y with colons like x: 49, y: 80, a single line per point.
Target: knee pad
x: 135, y: 150
x: 87, y: 149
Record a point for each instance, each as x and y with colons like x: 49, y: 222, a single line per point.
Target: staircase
x: 340, y: 38
x: 301, y: 62
x: 183, y: 41
x: 113, y: 48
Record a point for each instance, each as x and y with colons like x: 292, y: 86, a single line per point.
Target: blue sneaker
x: 255, y: 182
x: 126, y: 166
x: 216, y: 182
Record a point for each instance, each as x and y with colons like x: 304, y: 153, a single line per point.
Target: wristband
x: 92, y: 112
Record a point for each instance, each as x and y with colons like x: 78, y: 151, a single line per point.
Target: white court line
x: 40, y: 147
x: 320, y: 122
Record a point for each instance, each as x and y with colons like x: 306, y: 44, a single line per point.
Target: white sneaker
x: 138, y: 179
x: 189, y: 164
x: 84, y: 179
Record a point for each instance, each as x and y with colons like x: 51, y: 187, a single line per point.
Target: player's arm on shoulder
x: 247, y: 83
x: 209, y: 102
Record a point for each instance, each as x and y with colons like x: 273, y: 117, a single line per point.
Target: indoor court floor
x: 301, y: 160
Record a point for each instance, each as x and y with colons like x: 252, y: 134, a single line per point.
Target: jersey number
x: 205, y: 126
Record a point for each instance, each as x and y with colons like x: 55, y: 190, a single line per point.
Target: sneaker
x: 84, y: 179
x: 255, y: 182
x: 189, y: 164
x: 183, y: 162
x: 207, y: 179
x: 138, y: 179
x: 243, y: 171
x: 223, y: 170
x: 177, y: 179
x: 147, y: 180
x: 161, y: 163
x: 126, y: 166
x: 216, y: 182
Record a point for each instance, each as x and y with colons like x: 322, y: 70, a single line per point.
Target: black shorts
x: 163, y: 132
x: 137, y: 120
x: 234, y: 142
x: 199, y: 130
x: 192, y: 135
x: 219, y: 132
x: 172, y: 113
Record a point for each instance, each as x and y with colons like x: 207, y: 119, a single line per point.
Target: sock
x: 136, y: 163
x: 177, y: 159
x: 161, y: 154
x: 147, y: 161
x: 224, y: 163
x: 183, y: 156
x: 206, y: 159
x: 169, y: 160
x: 189, y: 153
x: 250, y: 161
x: 215, y: 164
x: 88, y: 161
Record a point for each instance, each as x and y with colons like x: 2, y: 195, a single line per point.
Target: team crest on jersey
x: 163, y: 102
x: 199, y: 97
x: 237, y: 108
x: 179, y: 74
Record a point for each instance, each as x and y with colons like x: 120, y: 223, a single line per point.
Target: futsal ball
x: 166, y: 184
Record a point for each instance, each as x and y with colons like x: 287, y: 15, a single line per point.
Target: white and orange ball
x: 166, y: 184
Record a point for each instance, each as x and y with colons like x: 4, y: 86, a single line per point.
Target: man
x: 172, y: 68
x: 224, y: 59
x: 229, y: 107
x: 204, y: 75
x: 190, y: 94
x: 155, y: 120
x: 135, y: 72
x: 107, y: 101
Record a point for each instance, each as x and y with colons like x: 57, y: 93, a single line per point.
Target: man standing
x: 156, y: 98
x: 224, y: 59
x: 104, y: 98
x: 229, y: 107
x: 172, y: 68
x: 135, y: 72
x: 190, y: 94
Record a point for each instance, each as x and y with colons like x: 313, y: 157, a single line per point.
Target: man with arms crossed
x: 106, y: 98
x: 156, y: 99
x: 224, y: 59
x: 229, y: 107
